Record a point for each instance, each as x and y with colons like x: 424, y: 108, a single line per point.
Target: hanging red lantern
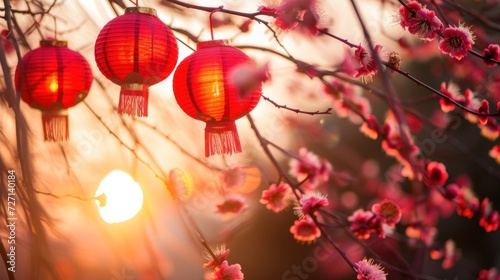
x: 53, y: 78
x: 205, y: 89
x: 136, y: 50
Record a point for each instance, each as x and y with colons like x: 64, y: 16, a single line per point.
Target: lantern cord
x: 137, y: 3
x: 210, y: 19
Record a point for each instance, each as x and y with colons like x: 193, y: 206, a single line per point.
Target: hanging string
x: 210, y: 19
x: 137, y: 3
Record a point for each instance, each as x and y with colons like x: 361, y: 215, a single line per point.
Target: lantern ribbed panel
x: 136, y: 48
x: 53, y: 78
x: 204, y: 89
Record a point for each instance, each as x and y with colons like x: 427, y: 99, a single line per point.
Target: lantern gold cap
x: 212, y: 43
x: 141, y: 10
x: 53, y: 43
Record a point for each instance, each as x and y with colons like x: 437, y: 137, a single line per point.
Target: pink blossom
x: 227, y: 272
x: 220, y: 253
x: 233, y: 205
x: 420, y: 21
x: 436, y: 174
x: 490, y: 130
x: 310, y: 203
x: 277, y: 197
x: 370, y: 127
x: 367, y: 270
x: 388, y: 211
x: 408, y: 12
x: 452, y: 92
x: 489, y: 274
x: 491, y: 52
x: 489, y: 219
x: 495, y: 153
x: 310, y: 166
x: 305, y: 230
x: 363, y: 223
x: 484, y: 108
x: 466, y: 202
x: 457, y: 41
x: 367, y: 64
x: 248, y: 77
x: 451, y: 254
x: 233, y: 177
x: 419, y: 231
x: 297, y: 13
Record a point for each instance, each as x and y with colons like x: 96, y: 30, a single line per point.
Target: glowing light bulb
x: 53, y: 85
x: 118, y: 197
x: 215, y: 90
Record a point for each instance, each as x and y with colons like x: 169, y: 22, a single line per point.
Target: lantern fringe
x: 55, y: 125
x: 134, y: 100
x: 221, y: 138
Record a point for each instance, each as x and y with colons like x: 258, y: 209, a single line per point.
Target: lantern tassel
x: 134, y: 100
x: 55, y: 125
x: 221, y: 138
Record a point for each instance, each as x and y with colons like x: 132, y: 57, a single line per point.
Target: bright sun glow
x: 119, y: 197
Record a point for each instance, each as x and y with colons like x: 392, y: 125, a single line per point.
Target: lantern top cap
x: 141, y: 10
x: 212, y: 43
x: 53, y: 43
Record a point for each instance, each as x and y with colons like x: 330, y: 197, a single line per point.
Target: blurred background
x: 71, y: 241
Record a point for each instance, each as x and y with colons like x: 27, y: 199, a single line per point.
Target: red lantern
x: 204, y: 88
x: 136, y: 50
x: 53, y: 78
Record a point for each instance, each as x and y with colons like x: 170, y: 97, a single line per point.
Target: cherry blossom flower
x: 227, y: 272
x: 232, y: 206
x: 467, y: 202
x: 367, y: 270
x: 360, y: 105
x: 408, y: 12
x: 489, y: 274
x: 489, y: 219
x: 296, y: 13
x: 421, y: 231
x: 420, y: 21
x: 363, y: 223
x: 472, y: 102
x: 310, y: 203
x: 310, y: 166
x: 457, y: 41
x: 234, y: 177
x: 495, y: 153
x: 220, y: 253
x: 305, y: 230
x: 491, y: 130
x: 436, y: 173
x: 247, y: 77
x: 370, y: 127
x: 367, y: 64
x: 277, y: 197
x: 491, y: 52
x: 452, y: 92
x: 483, y: 109
x: 388, y: 211
x: 450, y: 255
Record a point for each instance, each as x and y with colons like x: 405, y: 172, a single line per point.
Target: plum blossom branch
x: 298, y: 111
x: 253, y: 16
x: 441, y: 95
